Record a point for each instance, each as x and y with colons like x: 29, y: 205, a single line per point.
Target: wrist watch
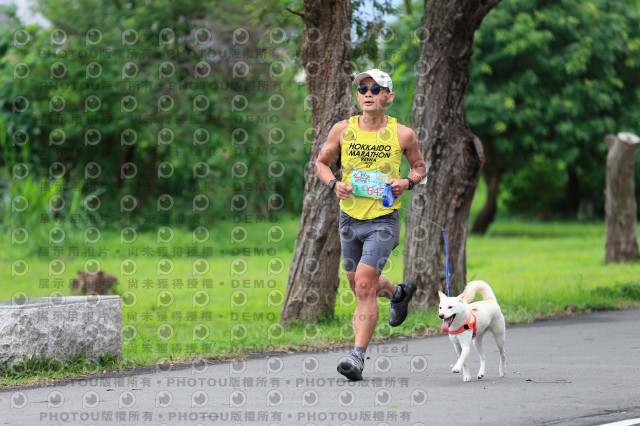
x: 410, y: 183
x: 332, y: 183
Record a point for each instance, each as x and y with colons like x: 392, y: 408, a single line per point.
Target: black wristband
x: 410, y: 183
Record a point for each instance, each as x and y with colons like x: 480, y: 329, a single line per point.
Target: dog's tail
x: 478, y: 287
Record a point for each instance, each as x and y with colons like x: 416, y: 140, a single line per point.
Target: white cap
x: 380, y: 77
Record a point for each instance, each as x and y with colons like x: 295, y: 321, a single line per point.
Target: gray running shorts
x: 368, y: 241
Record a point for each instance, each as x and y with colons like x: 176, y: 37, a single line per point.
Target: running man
x: 371, y: 146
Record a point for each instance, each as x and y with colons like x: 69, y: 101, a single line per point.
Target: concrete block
x: 63, y: 326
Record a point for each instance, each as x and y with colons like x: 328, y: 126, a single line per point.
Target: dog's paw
x: 467, y: 379
x: 455, y: 370
x: 480, y: 376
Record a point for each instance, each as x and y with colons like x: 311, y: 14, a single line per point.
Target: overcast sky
x: 25, y: 14
x: 28, y: 17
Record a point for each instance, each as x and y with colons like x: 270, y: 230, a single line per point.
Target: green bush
x: 538, y: 190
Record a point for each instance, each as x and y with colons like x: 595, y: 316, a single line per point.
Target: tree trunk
x: 487, y: 214
x: 620, y: 204
x: 492, y: 176
x: 573, y: 192
x: 326, y: 58
x: 454, y: 154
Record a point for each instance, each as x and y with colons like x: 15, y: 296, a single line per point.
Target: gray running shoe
x: 351, y: 367
x: 399, y: 310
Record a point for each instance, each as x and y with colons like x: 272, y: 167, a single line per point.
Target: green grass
x: 35, y: 370
x: 535, y: 270
x: 539, y: 269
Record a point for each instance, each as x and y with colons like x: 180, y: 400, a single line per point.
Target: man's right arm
x: 327, y: 153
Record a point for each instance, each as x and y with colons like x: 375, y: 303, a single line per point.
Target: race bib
x: 367, y: 183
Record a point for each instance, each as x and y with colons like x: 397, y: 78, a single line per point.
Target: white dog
x: 466, y: 322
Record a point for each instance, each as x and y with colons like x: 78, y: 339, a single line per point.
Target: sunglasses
x: 375, y: 89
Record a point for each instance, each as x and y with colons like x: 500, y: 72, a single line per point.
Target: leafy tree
x: 453, y: 154
x: 200, y: 81
x: 369, y: 24
x: 549, y: 80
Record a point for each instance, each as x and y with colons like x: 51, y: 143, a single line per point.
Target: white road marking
x: 630, y: 422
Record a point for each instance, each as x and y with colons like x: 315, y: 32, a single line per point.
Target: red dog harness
x: 471, y: 323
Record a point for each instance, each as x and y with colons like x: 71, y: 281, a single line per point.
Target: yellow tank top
x: 368, y: 160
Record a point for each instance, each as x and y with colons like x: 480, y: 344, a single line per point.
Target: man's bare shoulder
x: 340, y: 125
x: 339, y: 130
x: 405, y: 134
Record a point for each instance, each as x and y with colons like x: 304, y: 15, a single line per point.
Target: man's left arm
x: 411, y: 150
x: 414, y: 157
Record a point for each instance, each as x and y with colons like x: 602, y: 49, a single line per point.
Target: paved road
x: 580, y: 370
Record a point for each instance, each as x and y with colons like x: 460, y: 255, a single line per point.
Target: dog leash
x: 446, y: 248
x: 388, y: 199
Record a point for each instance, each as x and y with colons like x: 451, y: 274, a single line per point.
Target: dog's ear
x: 441, y: 294
x: 462, y: 296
